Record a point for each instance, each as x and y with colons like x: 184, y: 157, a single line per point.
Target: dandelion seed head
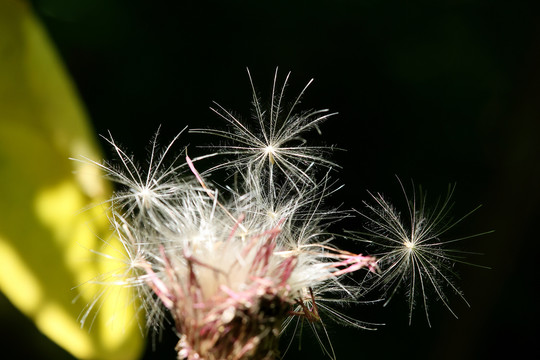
x: 236, y: 265
x: 211, y: 259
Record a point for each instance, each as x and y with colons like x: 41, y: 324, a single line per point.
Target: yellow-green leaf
x: 45, y: 236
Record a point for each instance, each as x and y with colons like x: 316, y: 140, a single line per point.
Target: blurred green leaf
x: 44, y: 236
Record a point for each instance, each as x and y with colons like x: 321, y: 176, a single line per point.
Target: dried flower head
x: 234, y: 268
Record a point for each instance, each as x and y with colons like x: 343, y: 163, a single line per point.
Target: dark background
x: 436, y: 91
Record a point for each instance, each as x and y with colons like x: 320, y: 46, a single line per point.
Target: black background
x: 435, y: 91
